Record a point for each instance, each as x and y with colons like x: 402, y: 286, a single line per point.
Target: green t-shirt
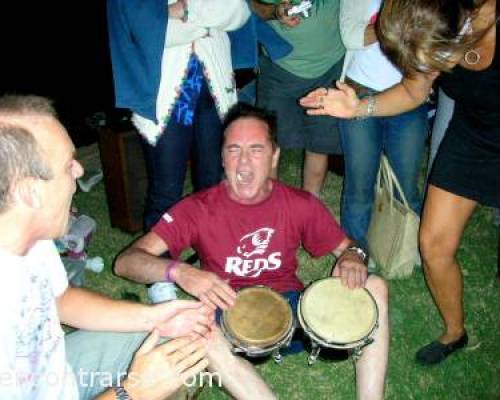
x: 316, y: 41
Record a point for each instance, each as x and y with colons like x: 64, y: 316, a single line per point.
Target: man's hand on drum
x: 341, y: 102
x: 157, y: 370
x: 351, y: 269
x: 206, y: 286
x: 182, y: 318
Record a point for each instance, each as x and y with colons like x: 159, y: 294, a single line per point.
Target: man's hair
x: 243, y: 110
x: 425, y: 35
x: 20, y: 155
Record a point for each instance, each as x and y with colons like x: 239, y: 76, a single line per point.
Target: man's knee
x: 219, y: 350
x: 221, y: 358
x: 379, y: 290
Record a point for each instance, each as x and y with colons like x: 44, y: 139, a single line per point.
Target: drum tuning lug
x: 314, y: 353
x: 357, y: 353
x: 311, y: 360
x: 277, y: 357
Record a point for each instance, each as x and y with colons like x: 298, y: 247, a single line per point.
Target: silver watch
x: 121, y: 393
x: 359, y: 251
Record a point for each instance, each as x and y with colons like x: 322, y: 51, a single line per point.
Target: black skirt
x: 468, y: 161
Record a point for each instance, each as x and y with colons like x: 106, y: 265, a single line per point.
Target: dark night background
x: 59, y: 50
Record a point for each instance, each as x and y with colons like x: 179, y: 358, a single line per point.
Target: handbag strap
x: 383, y: 180
x: 386, y: 173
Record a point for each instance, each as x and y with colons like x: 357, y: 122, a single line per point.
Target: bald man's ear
x: 276, y: 157
x: 28, y: 192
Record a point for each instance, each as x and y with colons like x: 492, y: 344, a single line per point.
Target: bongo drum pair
x: 261, y: 322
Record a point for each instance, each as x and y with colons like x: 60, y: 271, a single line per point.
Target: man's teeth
x: 243, y: 176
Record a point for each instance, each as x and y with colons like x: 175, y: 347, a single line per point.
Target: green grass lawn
x: 470, y: 374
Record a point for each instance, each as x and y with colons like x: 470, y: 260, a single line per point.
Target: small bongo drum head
x: 260, y: 317
x: 336, y: 313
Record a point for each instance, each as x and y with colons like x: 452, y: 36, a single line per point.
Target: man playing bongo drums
x: 247, y: 231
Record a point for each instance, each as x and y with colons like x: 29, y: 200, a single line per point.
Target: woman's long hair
x: 427, y: 35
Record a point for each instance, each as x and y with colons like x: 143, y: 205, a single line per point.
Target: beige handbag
x: 393, y: 231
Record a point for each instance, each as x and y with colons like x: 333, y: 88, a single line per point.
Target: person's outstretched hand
x: 158, y: 371
x: 341, y: 102
x: 182, y: 318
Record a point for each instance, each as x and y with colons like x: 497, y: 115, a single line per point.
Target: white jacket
x: 354, y: 17
x: 204, y: 34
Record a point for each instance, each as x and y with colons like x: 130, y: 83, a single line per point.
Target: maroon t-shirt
x: 251, y: 244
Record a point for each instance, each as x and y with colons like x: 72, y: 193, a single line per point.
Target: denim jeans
x: 166, y: 162
x: 402, y: 139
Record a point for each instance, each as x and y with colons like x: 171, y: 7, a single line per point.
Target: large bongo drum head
x: 337, y: 314
x: 260, y: 317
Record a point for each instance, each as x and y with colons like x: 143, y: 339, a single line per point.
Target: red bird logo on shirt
x: 255, y: 242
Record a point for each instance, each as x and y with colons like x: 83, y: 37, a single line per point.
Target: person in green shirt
x: 316, y: 60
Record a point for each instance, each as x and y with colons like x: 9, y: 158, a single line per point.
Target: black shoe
x: 436, y: 351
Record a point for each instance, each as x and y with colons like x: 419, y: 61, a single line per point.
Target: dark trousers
x: 166, y: 162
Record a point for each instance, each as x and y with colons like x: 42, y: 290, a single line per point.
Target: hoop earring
x: 472, y: 57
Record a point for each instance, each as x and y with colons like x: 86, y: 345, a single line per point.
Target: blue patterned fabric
x: 185, y: 105
x: 137, y: 40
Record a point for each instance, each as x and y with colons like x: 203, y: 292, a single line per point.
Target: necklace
x: 472, y: 57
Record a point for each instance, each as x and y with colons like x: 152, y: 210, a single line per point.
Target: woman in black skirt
x: 453, y: 42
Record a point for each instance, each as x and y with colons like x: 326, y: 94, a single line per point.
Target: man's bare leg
x: 315, y: 169
x: 372, y: 366
x: 238, y: 376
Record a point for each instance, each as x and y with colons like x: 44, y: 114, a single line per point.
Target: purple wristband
x: 171, y: 265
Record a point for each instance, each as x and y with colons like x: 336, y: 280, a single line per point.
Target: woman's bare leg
x: 444, y: 218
